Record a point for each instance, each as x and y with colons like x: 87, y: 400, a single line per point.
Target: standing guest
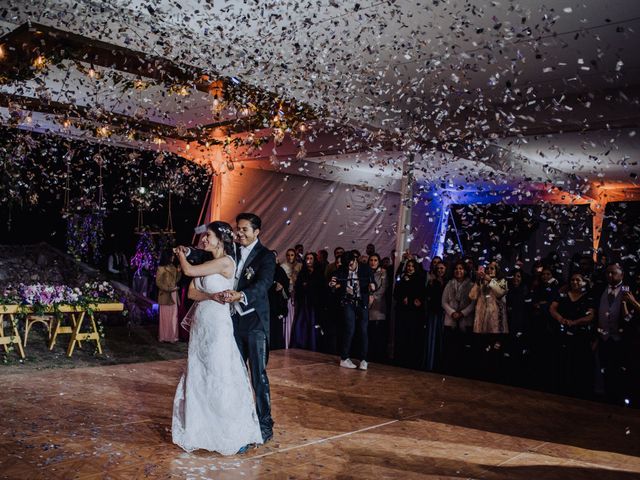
x: 332, y: 327
x: 433, y: 266
x: 353, y: 283
x: 167, y: 278
x: 406, y: 257
x: 118, y: 266
x: 544, y: 330
x: 378, y: 325
x: 370, y: 249
x: 574, y: 313
x: 292, y: 268
x: 631, y: 312
x: 612, y: 334
x: 488, y: 292
x: 518, y: 306
x: 410, y: 295
x: 309, y: 290
x: 299, y: 252
x: 458, y: 319
x: 333, y: 266
x: 490, y: 323
x: 435, y: 317
x: 323, y: 260
x: 278, y: 308
x: 471, y: 267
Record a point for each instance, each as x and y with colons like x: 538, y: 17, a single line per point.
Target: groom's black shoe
x: 266, y: 436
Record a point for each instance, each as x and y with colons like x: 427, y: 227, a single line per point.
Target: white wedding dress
x: 213, y: 408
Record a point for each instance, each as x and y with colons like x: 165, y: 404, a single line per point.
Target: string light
x: 40, y: 62
x: 103, y: 132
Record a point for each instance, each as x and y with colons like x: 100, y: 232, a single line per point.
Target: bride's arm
x: 197, y: 295
x: 222, y: 265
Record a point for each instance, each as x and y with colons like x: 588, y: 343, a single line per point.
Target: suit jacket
x: 254, y: 281
x: 197, y: 256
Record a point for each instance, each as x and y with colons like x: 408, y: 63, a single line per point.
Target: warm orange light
x: 3, y: 54
x: 40, y: 62
x: 140, y: 85
x: 103, y: 131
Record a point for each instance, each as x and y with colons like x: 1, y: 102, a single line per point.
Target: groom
x: 250, y: 311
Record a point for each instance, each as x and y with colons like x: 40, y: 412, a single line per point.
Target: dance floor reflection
x: 114, y: 423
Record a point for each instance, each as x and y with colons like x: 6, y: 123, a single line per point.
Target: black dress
x: 278, y: 308
x: 575, y: 369
x: 410, y: 320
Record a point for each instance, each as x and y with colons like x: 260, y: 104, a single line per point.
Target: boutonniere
x: 249, y: 272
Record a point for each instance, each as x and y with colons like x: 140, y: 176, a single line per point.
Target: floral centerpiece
x: 41, y: 298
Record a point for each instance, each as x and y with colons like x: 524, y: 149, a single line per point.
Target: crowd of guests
x: 489, y: 321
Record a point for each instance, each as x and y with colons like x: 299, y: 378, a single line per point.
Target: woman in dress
x: 458, y: 320
x: 213, y: 408
x: 410, y: 295
x: 491, y: 308
x: 378, y: 325
x: 435, y: 317
x: 309, y: 294
x: 167, y: 278
x: 490, y: 322
x: 574, y: 313
x: 292, y: 267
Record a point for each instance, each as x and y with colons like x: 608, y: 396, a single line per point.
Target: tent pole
x: 598, y: 208
x: 205, y: 205
x: 403, y: 231
x: 406, y: 205
x: 215, y: 212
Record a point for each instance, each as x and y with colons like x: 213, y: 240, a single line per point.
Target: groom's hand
x: 231, y: 296
x: 218, y: 297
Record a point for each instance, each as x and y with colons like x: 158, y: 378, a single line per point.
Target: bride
x: 213, y: 408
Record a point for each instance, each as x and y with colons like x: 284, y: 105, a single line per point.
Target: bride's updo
x: 223, y: 231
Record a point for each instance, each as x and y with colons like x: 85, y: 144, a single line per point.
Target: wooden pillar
x: 215, y: 205
x: 597, y: 207
x: 441, y: 230
x: 404, y: 234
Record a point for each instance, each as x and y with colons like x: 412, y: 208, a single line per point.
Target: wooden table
x: 6, y: 340
x: 76, y: 316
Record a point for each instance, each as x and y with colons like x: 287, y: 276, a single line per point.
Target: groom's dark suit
x: 251, y: 327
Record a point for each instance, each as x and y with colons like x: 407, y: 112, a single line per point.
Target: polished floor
x: 114, y: 422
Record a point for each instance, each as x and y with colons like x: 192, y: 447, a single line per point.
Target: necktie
x: 611, y: 297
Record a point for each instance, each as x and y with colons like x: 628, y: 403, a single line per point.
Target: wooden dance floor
x: 114, y: 423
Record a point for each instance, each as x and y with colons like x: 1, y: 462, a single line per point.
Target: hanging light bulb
x: 278, y: 135
x: 40, y: 62
x: 3, y: 53
x: 217, y: 105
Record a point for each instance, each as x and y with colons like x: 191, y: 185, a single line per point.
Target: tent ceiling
x: 446, y: 75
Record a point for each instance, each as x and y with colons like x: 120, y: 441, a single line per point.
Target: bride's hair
x: 223, y: 231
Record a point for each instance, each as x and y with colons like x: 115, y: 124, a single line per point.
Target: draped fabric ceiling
x: 513, y: 101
